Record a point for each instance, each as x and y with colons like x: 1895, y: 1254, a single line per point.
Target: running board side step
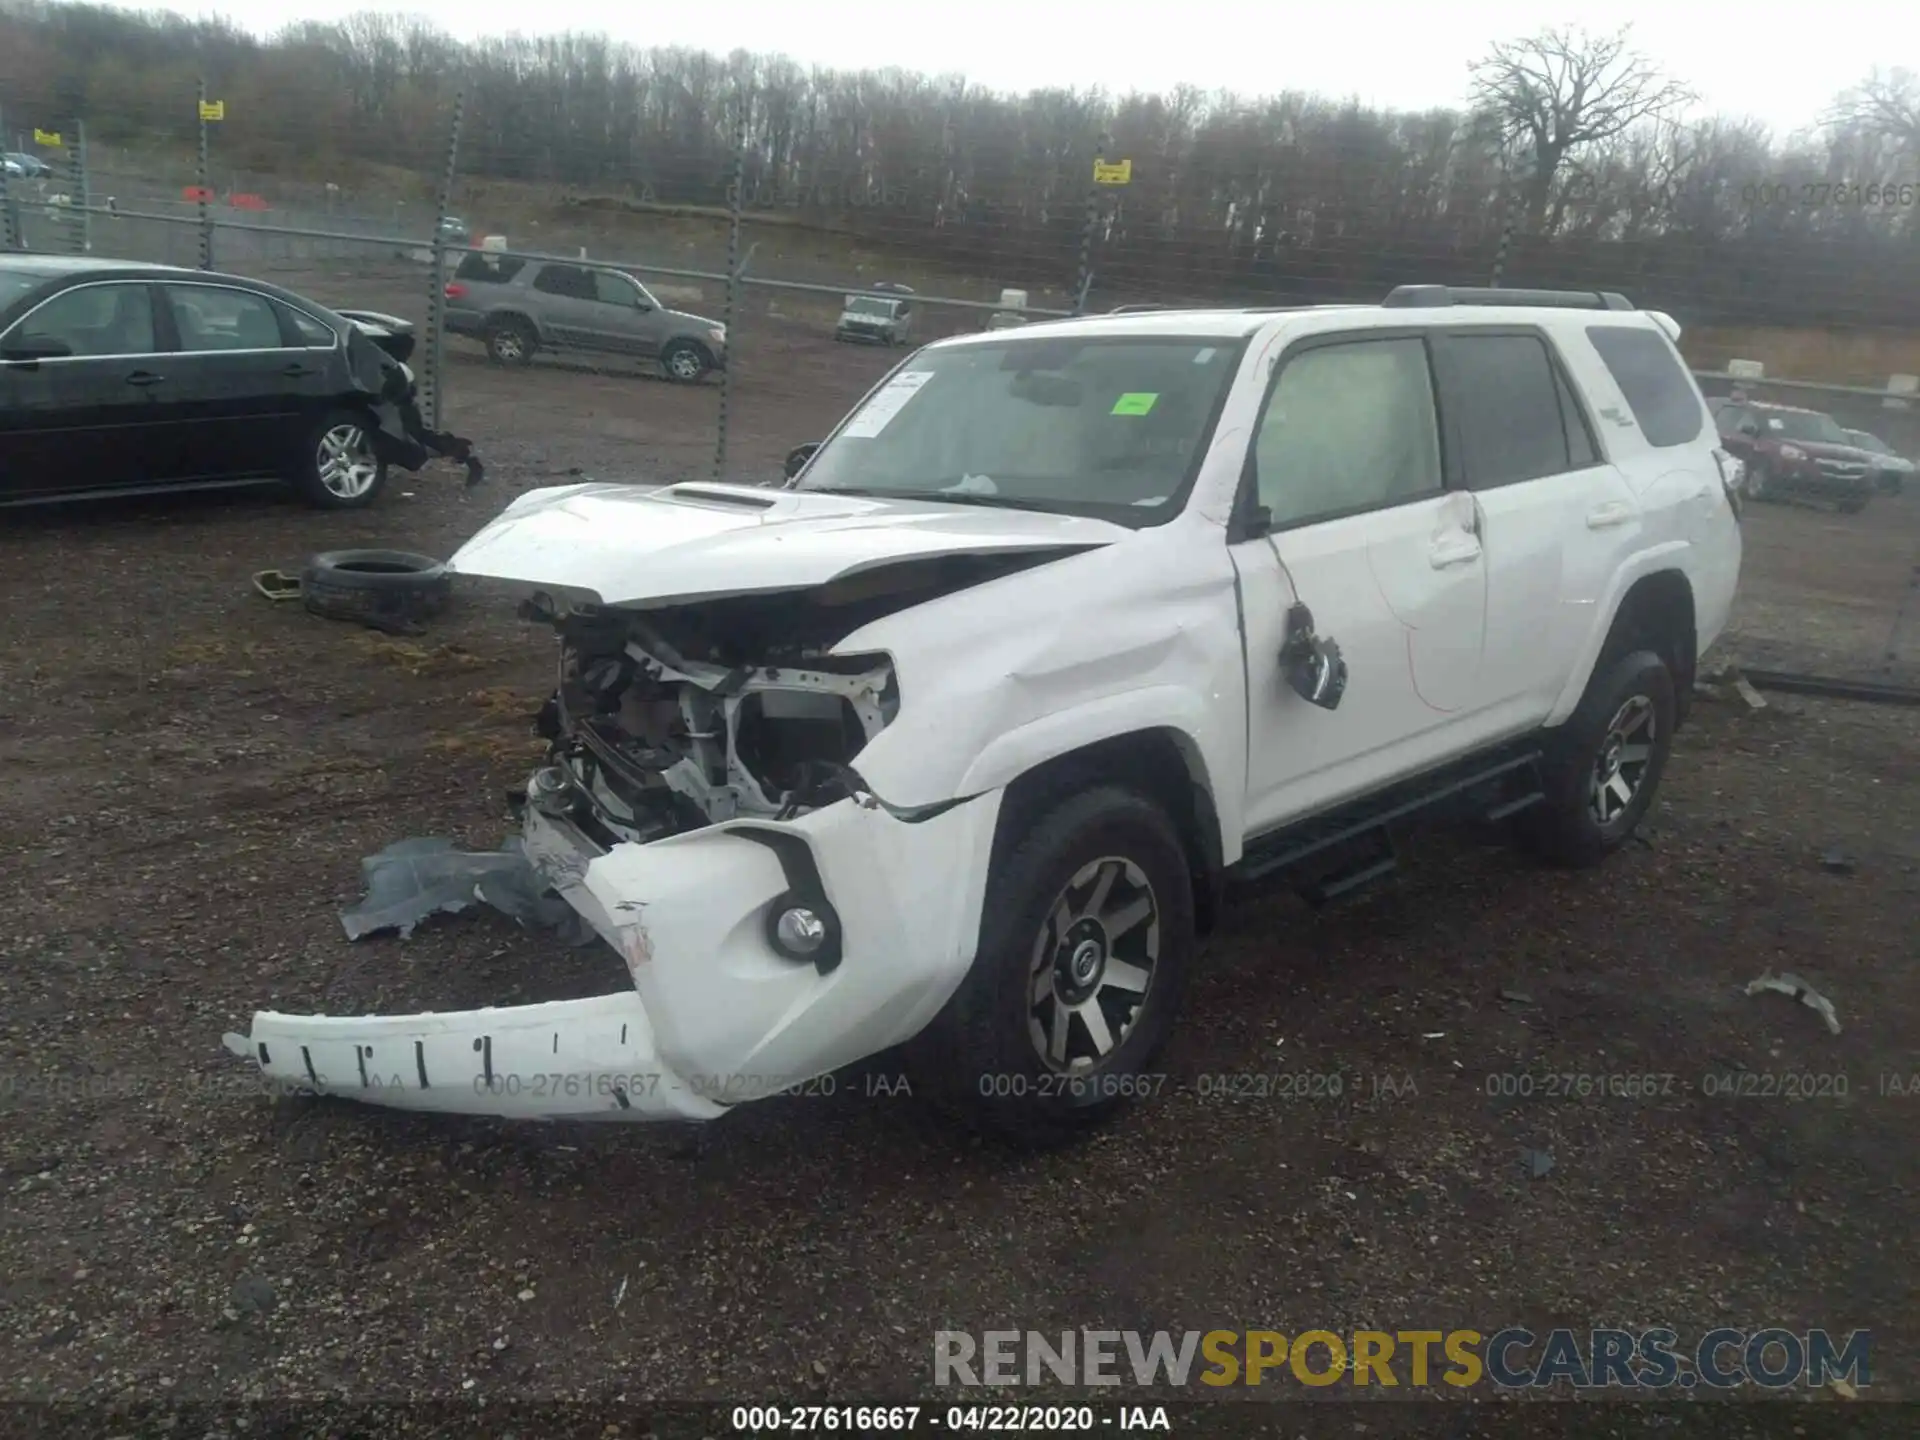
x: 1513, y: 777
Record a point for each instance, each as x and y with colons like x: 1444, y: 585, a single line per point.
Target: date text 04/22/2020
x: 919, y: 1419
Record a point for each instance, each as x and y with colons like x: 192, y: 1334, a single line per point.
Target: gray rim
x: 1093, y: 964
x: 1756, y: 482
x: 1620, y: 769
x: 506, y: 344
x: 346, y: 462
x: 684, y: 365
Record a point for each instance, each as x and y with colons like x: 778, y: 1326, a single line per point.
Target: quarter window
x: 1658, y: 389
x: 1348, y: 427
x: 94, y: 320
x: 311, y: 332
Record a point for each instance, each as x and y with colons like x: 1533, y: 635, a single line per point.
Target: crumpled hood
x: 631, y: 545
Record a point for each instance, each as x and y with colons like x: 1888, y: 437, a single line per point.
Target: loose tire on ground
x: 1603, y: 766
x: 1113, y: 856
x: 336, y: 467
x: 391, y: 590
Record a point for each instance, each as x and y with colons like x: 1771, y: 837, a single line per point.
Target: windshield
x: 867, y: 305
x: 1869, y: 442
x: 14, y: 284
x: 1110, y: 427
x: 1804, y: 425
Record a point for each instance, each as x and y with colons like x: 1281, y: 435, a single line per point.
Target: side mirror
x: 1749, y: 428
x: 29, y: 349
x: 798, y: 457
x: 1312, y: 663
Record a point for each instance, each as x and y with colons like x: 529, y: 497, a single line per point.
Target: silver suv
x: 517, y: 307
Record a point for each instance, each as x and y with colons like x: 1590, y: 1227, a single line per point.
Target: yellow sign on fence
x: 213, y: 109
x: 48, y: 138
x: 1115, y: 172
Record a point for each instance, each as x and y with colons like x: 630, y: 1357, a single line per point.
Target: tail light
x: 455, y: 290
x: 1733, y: 478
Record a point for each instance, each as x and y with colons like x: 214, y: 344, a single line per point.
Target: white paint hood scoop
x: 633, y: 545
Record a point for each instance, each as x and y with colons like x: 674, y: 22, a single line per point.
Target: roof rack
x: 1423, y: 297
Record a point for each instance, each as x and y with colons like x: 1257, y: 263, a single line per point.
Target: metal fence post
x: 13, y: 235
x: 1506, y: 227
x: 736, y: 199
x: 433, y: 370
x: 203, y: 191
x: 83, y: 230
x: 1083, y: 281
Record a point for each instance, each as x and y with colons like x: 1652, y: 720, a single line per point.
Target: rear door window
x: 1657, y: 388
x: 211, y: 317
x: 487, y: 268
x: 568, y: 280
x: 1505, y: 398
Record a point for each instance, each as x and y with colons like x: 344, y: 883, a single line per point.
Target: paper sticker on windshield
x: 1135, y: 402
x: 892, y: 397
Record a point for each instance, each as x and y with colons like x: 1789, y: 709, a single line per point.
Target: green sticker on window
x: 1135, y: 402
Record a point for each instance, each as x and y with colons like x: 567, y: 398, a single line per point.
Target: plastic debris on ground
x: 1536, y: 1163
x: 1794, y: 988
x: 411, y: 880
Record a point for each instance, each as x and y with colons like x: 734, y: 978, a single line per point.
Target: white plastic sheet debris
x: 1791, y: 985
x: 413, y: 879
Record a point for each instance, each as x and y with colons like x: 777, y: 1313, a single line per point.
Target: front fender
x: 1193, y: 722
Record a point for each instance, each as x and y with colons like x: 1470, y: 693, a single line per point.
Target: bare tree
x: 1562, y: 90
x: 1883, y: 105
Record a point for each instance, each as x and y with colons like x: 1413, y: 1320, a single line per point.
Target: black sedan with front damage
x: 118, y: 378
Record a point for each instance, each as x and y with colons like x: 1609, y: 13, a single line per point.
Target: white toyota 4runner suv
x: 956, y: 741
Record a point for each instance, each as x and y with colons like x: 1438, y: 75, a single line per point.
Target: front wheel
x: 1758, y: 484
x: 684, y: 362
x: 337, y: 468
x: 1853, y: 504
x: 1604, y: 764
x: 1085, y: 942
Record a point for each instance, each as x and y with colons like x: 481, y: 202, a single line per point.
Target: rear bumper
x: 716, y: 1015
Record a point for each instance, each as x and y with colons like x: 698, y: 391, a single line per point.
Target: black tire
x: 511, y: 341
x: 1759, y: 483
x: 980, y: 1060
x: 391, y: 590
x: 685, y: 363
x: 1564, y: 827
x: 336, y: 467
x: 1853, y: 504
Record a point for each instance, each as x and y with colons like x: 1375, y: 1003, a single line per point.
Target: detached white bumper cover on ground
x: 565, y: 1060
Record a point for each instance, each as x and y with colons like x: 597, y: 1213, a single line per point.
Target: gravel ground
x: 193, y: 774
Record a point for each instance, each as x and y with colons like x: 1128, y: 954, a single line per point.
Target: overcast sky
x: 1782, y: 66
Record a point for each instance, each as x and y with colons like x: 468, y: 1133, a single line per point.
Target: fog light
x: 800, y: 932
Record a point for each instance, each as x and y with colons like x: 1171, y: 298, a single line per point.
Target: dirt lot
x: 193, y: 774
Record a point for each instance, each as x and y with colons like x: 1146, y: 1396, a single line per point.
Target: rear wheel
x: 511, y: 341
x: 337, y: 468
x: 1604, y: 764
x: 1085, y: 942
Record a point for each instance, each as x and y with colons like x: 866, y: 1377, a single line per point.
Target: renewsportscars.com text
x: 1513, y: 1358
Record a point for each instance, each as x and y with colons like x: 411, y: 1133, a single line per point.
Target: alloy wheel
x: 1092, y: 965
x: 346, y: 462
x: 1620, y: 768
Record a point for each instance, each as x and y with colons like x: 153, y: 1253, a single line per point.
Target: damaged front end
x: 702, y: 808
x: 378, y: 349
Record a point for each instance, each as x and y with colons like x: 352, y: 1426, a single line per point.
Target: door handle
x: 1453, y: 550
x: 144, y: 378
x: 296, y: 370
x: 1605, y: 517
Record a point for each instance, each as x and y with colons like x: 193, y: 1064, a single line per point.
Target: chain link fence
x: 802, y: 269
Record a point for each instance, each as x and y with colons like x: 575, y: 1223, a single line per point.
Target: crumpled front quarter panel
x: 995, y: 679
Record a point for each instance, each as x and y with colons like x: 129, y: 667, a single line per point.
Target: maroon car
x: 1789, y: 451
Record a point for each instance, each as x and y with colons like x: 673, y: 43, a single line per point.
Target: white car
x: 957, y: 740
